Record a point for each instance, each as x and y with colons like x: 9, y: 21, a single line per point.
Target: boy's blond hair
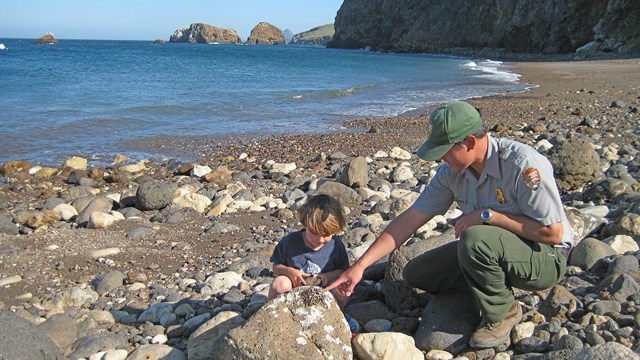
x: 322, y: 214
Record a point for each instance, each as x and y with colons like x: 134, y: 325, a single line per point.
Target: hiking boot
x: 492, y: 335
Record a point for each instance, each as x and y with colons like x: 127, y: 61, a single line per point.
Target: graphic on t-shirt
x: 311, y: 268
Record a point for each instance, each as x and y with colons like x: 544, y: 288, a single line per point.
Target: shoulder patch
x: 531, y: 178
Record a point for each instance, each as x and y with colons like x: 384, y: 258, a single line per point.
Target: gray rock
x: 569, y: 342
x: 588, y: 252
x: 106, y: 282
x: 21, y: 339
x: 558, y: 297
x: 357, y: 236
x: 130, y: 212
x: 202, y: 340
x: 61, y: 329
x: 398, y: 294
x: 156, y: 352
x: 305, y: 323
x: 620, y: 286
x: 438, y: 331
x: 364, y: 312
x: 51, y: 203
x: 627, y: 224
x: 346, y: 195
x: 608, y: 351
x: 88, y: 345
x: 604, y: 191
x: 98, y: 204
x: 623, y: 264
x: 253, y: 260
x: 605, y: 307
x: 7, y: 226
x: 532, y: 344
x: 355, y: 173
x: 76, y: 192
x: 155, y: 195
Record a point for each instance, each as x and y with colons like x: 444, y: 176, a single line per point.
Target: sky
x: 153, y: 19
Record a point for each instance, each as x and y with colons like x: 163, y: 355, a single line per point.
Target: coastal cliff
x: 204, y: 33
x: 320, y: 35
x: 265, y: 34
x: 550, y: 27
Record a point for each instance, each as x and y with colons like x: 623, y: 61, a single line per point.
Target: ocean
x: 90, y: 98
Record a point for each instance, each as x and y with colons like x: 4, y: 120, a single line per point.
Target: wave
x: 491, y: 69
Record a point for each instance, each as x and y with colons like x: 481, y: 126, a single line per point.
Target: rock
x: 104, y: 252
x: 346, y: 195
x: 575, y: 164
x: 200, y: 170
x: 386, y: 346
x: 98, y: 204
x: 10, y: 280
x: 7, y: 226
x: 401, y: 173
x: 134, y: 168
x: 622, y: 243
x: 106, y: 282
x: 156, y: 352
x: 23, y: 340
x: 88, y: 345
x: 61, y: 329
x: 305, y: 323
x: 202, y: 340
x: 265, y: 34
x: 100, y: 220
x: 608, y: 351
x: 192, y: 200
x: 355, y: 174
x: 76, y: 163
x: 66, y: 211
x: 627, y: 224
x: 47, y: 38
x: 586, y: 253
x: 398, y: 294
x: 206, y: 34
x: 220, y: 283
x: 438, y: 332
x: 604, y: 191
x: 155, y: 195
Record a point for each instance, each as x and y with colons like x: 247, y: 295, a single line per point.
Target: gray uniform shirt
x: 516, y: 180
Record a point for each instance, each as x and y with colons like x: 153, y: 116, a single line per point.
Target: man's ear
x: 470, y: 141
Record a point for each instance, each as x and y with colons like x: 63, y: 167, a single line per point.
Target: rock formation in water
x: 47, y: 38
x: 520, y: 26
x: 320, y: 35
x: 265, y: 34
x: 204, y: 33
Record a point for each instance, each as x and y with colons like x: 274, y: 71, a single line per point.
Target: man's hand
x: 346, y: 282
x: 466, y: 220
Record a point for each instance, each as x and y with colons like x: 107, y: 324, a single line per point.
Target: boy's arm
x: 296, y: 276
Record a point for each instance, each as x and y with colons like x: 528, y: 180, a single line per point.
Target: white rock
x: 76, y: 162
x: 386, y: 346
x: 114, y: 197
x: 241, y: 204
x: 522, y: 331
x: 195, y: 201
x: 401, y: 173
x: 139, y: 166
x: 119, y: 354
x: 200, y: 170
x: 97, y: 356
x: 136, y: 286
x: 597, y: 210
x: 282, y: 168
x: 542, y: 145
x: 439, y: 355
x: 104, y: 252
x: 156, y: 352
x: 52, y: 247
x: 221, y: 282
x: 399, y: 154
x: 10, y: 280
x: 622, y: 243
x: 66, y: 211
x: 117, y: 215
x: 257, y: 208
x: 234, y: 187
x: 159, y: 339
x: 100, y: 220
x: 380, y: 154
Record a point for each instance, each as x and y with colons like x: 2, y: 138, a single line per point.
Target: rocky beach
x: 168, y: 259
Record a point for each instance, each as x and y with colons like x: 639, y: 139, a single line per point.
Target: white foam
x: 490, y: 69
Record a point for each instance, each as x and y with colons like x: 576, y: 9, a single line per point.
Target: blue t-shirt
x: 293, y: 252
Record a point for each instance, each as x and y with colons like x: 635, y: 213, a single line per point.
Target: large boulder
x: 204, y: 33
x: 155, y: 195
x: 305, y: 323
x: 20, y: 339
x: 576, y: 164
x: 398, y: 294
x: 356, y: 173
x: 265, y: 34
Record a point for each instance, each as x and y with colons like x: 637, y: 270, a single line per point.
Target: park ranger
x: 513, y: 231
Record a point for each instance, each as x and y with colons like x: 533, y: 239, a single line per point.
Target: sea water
x: 85, y: 97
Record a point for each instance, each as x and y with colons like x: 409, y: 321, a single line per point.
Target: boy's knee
x: 281, y: 284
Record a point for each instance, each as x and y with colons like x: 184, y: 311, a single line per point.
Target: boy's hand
x: 297, y: 277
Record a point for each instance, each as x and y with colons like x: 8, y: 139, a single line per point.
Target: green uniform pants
x: 490, y: 261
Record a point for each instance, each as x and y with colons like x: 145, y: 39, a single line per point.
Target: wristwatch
x: 486, y: 216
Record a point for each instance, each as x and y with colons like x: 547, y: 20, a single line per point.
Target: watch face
x: 485, y: 215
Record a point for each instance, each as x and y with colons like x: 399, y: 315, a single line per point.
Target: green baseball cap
x: 450, y: 124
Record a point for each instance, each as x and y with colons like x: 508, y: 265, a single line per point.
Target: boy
x: 312, y: 251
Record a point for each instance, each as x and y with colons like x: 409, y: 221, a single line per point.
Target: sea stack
x: 265, y: 34
x: 47, y: 38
